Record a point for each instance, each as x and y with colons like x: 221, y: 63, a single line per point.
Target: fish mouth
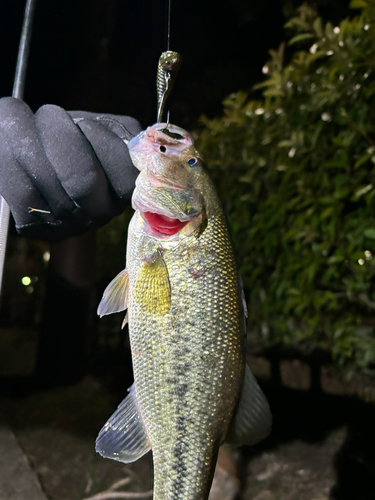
x: 161, y: 221
x: 162, y: 134
x: 163, y: 224
x: 169, y: 139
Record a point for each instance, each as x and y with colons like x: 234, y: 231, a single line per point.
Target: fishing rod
x: 18, y: 91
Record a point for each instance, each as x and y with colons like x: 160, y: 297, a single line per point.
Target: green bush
x: 295, y: 170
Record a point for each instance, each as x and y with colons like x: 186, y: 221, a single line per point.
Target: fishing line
x: 18, y: 90
x: 169, y: 25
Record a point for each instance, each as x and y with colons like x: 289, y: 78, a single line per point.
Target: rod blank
x: 18, y: 90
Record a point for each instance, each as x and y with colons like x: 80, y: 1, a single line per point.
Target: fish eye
x: 192, y: 161
x: 163, y: 149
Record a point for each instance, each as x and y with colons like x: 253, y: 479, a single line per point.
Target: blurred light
x: 265, y: 69
x: 313, y: 48
x: 326, y: 117
x: 30, y: 289
x: 26, y: 281
x: 336, y: 30
x: 292, y: 152
x: 259, y: 111
x: 366, y: 27
x: 329, y: 53
x: 46, y: 256
x: 368, y: 254
x: 361, y: 262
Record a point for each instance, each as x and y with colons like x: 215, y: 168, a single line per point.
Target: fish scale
x: 186, y: 381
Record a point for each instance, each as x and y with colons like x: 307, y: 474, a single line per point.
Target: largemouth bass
x: 192, y: 389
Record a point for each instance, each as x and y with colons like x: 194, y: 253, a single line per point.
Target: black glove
x: 73, y: 167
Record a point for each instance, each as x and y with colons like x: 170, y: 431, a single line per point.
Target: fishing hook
x: 168, y: 66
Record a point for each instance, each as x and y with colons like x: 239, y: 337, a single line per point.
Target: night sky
x: 101, y: 55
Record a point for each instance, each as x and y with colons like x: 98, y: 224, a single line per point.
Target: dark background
x: 101, y: 55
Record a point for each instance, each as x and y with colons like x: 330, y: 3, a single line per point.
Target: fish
x: 181, y: 288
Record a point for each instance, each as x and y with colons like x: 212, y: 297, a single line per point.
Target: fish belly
x: 188, y: 358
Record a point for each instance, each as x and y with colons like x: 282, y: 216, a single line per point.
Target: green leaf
x: 300, y: 38
x: 317, y: 25
x: 358, y: 4
x: 272, y: 92
x: 369, y: 233
x: 311, y: 270
x: 362, y: 160
x: 335, y: 259
x: 363, y: 190
x: 285, y: 144
x: 296, y: 22
x: 327, y: 212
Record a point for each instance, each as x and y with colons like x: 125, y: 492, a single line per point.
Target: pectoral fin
x: 152, y: 289
x: 253, y: 419
x: 115, y: 296
x: 124, y: 437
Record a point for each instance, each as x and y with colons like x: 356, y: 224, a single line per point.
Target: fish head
x: 172, y: 187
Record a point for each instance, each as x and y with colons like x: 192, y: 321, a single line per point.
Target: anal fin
x: 124, y: 437
x: 253, y: 420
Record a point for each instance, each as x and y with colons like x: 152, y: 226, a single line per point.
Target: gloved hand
x: 73, y: 167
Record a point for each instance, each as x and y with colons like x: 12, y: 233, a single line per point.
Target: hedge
x: 294, y: 163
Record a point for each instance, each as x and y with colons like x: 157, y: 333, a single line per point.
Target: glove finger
x: 124, y: 127
x: 21, y: 195
x: 74, y: 162
x: 18, y: 189
x: 21, y: 137
x: 114, y: 157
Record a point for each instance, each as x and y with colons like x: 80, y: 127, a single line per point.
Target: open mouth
x: 163, y: 224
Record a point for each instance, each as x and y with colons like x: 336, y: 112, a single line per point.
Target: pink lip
x: 163, y: 224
